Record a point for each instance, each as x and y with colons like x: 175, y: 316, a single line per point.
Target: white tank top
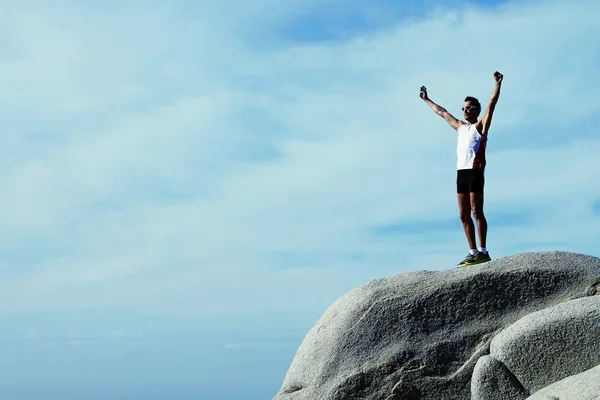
x: 470, y: 149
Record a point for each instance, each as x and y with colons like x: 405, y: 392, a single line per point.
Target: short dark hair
x: 474, y: 101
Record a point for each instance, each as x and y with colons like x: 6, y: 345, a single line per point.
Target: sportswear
x: 473, y: 259
x: 470, y: 148
x: 470, y: 181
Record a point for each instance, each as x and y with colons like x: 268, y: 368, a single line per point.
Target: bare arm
x: 486, y: 121
x: 442, y: 112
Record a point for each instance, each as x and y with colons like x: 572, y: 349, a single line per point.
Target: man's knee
x: 477, y: 212
x: 465, y: 217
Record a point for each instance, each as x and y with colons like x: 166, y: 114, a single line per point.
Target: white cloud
x: 165, y: 160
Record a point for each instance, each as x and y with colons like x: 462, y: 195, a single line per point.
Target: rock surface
x: 583, y: 386
x: 418, y: 336
x: 493, y: 381
x: 551, y: 344
x: 539, y: 349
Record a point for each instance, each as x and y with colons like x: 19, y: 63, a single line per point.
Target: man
x: 472, y: 141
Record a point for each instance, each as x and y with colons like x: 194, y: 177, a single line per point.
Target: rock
x: 491, y: 380
x: 583, y: 386
x: 548, y: 345
x: 418, y: 336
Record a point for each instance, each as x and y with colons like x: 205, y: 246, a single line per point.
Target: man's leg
x: 464, y: 207
x: 473, y: 199
x: 477, y: 210
x: 464, y: 179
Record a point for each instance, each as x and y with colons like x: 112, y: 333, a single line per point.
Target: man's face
x: 469, y: 110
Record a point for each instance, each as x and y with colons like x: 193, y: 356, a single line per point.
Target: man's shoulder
x: 461, y: 123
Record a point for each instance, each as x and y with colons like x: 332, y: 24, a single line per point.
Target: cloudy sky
x: 188, y: 185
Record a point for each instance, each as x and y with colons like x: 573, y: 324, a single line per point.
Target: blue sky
x: 187, y: 186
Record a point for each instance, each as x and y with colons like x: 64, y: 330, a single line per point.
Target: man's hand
x: 498, y: 77
x: 441, y: 111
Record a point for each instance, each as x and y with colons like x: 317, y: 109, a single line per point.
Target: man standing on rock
x: 472, y: 140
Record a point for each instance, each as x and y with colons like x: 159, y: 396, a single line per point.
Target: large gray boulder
x: 418, y: 335
x: 539, y: 349
x: 582, y: 386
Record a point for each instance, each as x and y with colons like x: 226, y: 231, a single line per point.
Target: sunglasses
x: 469, y: 108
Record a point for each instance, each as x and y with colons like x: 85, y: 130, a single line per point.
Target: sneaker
x: 469, y: 260
x: 475, y: 259
x: 481, y: 258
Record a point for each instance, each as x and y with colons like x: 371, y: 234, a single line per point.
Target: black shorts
x: 469, y: 181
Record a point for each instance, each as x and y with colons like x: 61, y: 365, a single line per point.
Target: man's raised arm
x: 486, y: 121
x: 441, y: 111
